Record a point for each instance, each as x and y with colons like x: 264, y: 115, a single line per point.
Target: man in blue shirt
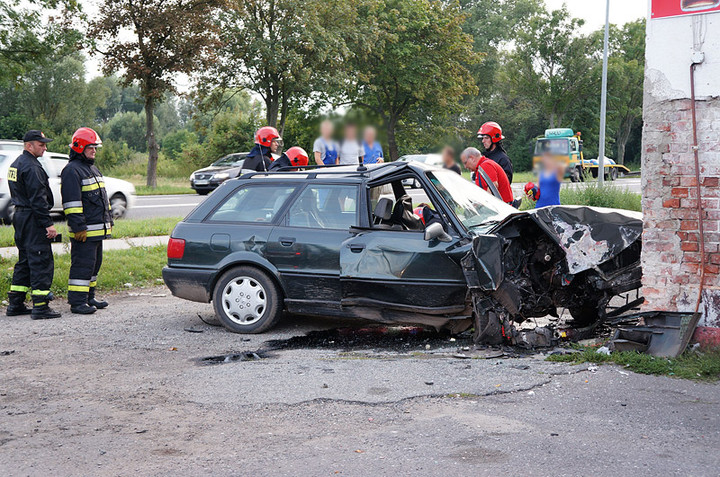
x: 373, y: 149
x: 325, y: 150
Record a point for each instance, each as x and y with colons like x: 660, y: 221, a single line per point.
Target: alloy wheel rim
x: 244, y: 300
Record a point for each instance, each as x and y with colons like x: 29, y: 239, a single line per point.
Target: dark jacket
x: 85, y: 201
x: 30, y: 188
x: 258, y: 159
x: 282, y: 161
x: 499, y: 156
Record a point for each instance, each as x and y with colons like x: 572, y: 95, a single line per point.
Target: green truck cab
x: 567, y: 145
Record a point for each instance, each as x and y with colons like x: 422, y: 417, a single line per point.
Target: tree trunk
x: 392, y: 143
x: 151, y: 141
x: 272, y: 107
x: 552, y: 120
x: 283, y: 115
x: 622, y: 138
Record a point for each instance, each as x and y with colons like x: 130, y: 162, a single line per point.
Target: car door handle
x: 357, y: 248
x: 287, y: 241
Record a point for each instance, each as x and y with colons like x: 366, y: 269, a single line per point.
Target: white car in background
x: 121, y: 193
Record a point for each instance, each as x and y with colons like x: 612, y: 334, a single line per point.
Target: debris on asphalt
x: 603, y: 350
x: 232, y: 357
x: 193, y: 330
x: 7, y: 353
x: 662, y: 333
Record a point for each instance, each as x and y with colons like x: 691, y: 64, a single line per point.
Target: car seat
x: 383, y: 213
x: 403, y: 215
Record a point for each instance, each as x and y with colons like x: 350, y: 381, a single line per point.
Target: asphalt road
x: 132, y: 391
x: 180, y: 205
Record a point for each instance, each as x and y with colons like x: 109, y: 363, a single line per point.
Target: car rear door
x: 305, y: 246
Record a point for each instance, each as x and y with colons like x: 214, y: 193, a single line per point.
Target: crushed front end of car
x: 540, y: 262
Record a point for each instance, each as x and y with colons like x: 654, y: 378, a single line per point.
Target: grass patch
x: 138, y: 265
x: 596, y: 196
x: 123, y: 229
x: 165, y: 185
x: 703, y: 366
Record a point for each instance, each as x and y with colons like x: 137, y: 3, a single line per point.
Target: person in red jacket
x: 473, y: 160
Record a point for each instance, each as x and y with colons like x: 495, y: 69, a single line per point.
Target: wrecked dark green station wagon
x: 343, y: 241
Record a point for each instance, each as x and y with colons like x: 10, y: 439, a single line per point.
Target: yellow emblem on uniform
x: 12, y: 174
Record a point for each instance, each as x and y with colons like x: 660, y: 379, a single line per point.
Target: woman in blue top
x: 549, y: 180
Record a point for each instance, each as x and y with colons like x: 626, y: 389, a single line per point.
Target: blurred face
x: 350, y: 132
x: 36, y: 148
x: 486, y: 142
x: 326, y: 129
x: 448, y: 158
x: 369, y: 135
x: 90, y: 152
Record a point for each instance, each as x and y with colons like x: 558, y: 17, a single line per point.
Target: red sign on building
x: 673, y: 8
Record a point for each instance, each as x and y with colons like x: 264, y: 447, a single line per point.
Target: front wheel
x: 246, y: 300
x: 202, y: 191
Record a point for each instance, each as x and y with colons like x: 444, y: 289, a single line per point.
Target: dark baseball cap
x: 35, y: 135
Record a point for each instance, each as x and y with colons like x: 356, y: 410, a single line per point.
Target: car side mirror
x: 436, y: 231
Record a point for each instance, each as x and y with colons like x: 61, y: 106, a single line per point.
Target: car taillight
x: 176, y: 248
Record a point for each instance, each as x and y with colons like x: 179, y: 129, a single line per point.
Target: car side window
x: 325, y: 207
x: 252, y: 204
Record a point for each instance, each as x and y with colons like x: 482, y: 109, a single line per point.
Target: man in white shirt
x: 351, y: 151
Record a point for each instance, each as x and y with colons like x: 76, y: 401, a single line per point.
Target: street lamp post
x: 603, y: 99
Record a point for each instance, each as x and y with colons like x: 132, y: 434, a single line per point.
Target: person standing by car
x: 34, y: 231
x: 86, y: 206
x: 293, y: 157
x: 474, y: 161
x: 448, y: 158
x: 267, y: 140
x: 373, y: 153
x: 491, y: 136
x: 351, y: 152
x: 325, y: 149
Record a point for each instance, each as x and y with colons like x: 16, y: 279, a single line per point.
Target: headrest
x: 383, y: 209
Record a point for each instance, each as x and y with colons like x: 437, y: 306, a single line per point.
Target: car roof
x: 369, y: 172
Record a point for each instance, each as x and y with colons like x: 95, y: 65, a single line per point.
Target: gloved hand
x: 81, y: 236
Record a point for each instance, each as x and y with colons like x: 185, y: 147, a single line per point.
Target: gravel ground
x: 130, y: 391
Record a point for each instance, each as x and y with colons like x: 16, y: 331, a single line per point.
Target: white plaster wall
x: 670, y: 44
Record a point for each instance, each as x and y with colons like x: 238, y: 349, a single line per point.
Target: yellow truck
x: 566, y: 145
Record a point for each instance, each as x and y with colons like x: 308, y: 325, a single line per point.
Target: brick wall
x: 671, y: 257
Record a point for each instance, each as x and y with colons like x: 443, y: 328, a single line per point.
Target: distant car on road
x: 120, y: 193
x: 207, y: 179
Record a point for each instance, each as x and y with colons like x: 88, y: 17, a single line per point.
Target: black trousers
x: 35, y: 266
x: 85, y: 262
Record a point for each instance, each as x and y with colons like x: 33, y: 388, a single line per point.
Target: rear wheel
x: 118, y: 206
x: 575, y: 175
x: 246, y: 300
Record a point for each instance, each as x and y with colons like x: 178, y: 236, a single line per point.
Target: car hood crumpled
x: 589, y: 236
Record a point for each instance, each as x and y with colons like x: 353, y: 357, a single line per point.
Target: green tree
x: 120, y: 99
x: 287, y: 51
x: 626, y: 74
x: 552, y: 65
x: 30, y: 33
x: 151, y: 42
x: 414, y: 58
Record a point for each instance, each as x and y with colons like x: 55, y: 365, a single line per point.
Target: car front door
x: 305, y: 246
x: 400, y: 269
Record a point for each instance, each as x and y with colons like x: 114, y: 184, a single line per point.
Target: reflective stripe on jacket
x: 85, y: 201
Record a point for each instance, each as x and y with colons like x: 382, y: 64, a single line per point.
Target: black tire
x: 202, y: 192
x: 613, y: 174
x: 264, y: 305
x: 8, y: 213
x: 584, y: 315
x: 575, y: 175
x: 118, y: 206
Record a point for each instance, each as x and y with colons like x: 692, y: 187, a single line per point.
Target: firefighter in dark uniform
x: 260, y: 156
x: 293, y: 157
x: 491, y: 136
x: 34, y: 231
x: 87, y: 209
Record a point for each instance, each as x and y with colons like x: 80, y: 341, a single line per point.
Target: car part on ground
x: 662, y: 333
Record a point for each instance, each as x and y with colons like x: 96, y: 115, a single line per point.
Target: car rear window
x: 252, y: 204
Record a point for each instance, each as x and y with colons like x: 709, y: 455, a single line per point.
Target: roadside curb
x: 112, y: 244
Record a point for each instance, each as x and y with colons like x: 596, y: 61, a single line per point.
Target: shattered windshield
x: 472, y: 205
